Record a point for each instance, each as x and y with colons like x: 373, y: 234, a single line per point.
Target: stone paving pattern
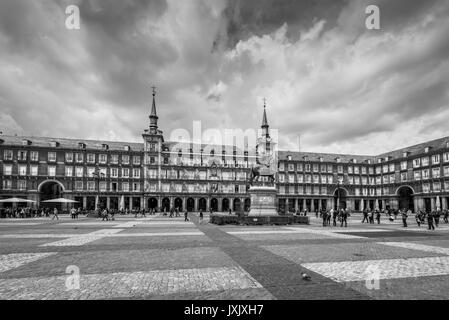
x: 162, y: 258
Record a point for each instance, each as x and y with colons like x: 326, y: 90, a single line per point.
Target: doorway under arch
x: 340, y: 196
x: 405, y: 198
x: 202, y: 204
x: 165, y: 205
x: 214, y: 204
x: 178, y: 204
x: 225, y: 205
x: 51, y: 189
x: 190, y: 204
x: 152, y: 203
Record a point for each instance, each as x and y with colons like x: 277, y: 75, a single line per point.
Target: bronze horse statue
x: 255, y: 174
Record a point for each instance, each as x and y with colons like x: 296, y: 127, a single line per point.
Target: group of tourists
x: 25, y: 212
x: 340, y: 215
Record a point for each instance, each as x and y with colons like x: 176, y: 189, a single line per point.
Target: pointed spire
x: 264, y: 119
x: 153, y: 114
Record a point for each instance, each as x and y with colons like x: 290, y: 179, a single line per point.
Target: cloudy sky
x: 325, y: 76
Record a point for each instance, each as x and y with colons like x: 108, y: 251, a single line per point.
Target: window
x: 125, y: 186
x: 79, y: 172
x: 426, y: 187
x: 90, y: 158
x: 90, y: 172
x: 391, y: 167
x: 308, y: 178
x: 34, y: 156
x: 90, y: 185
x: 300, y: 178
x: 370, y: 170
x: 51, y: 171
x: 78, y: 185
x: 446, y: 171
x: 446, y: 157
x: 403, y: 177
x: 102, y: 158
x: 446, y: 185
x: 315, y: 168
x: 136, y: 173
x: 136, y: 160
x: 307, y: 167
x: 69, y: 157
x: 356, y: 170
x: 437, y: 186
x: 281, y: 166
x: 125, y: 173
x: 425, y: 161
x: 436, y: 159
x: 7, y: 155
x: 392, y: 178
x: 385, y: 168
x: 21, y: 155
x: 281, y: 178
x: 7, y: 169
x: 316, y: 178
x: 329, y: 168
x: 378, y: 170
x: 114, y: 159
x: 22, y: 170
x: 114, y: 173
x: 291, y: 178
x: 136, y: 187
x: 34, y: 170
x: 363, y: 170
x: 291, y: 167
x: 21, y: 185
x: 340, y: 169
x: 436, y: 173
x: 152, y: 161
x: 68, y: 171
x: 417, y: 175
x: 425, y: 174
x: 403, y: 165
x: 102, y: 186
x: 52, y: 156
x: 416, y: 163
x: 7, y: 184
x: 125, y: 159
x: 350, y: 170
x: 79, y: 157
x: 103, y: 172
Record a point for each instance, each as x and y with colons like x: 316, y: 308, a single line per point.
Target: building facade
x: 158, y: 174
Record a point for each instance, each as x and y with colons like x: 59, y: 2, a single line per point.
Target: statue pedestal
x: 263, y: 201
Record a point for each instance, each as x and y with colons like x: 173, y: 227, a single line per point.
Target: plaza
x: 167, y: 258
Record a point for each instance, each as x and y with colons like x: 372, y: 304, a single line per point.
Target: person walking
x: 365, y: 216
x: 418, y: 219
x: 324, y: 217
x: 73, y: 213
x: 55, y: 214
x: 343, y: 217
x: 371, y: 217
x: 201, y: 216
x: 404, y: 218
x: 437, y: 217
x: 316, y: 213
x: 186, y: 216
x: 430, y: 221
x: 334, y: 217
x: 104, y: 214
x: 378, y: 217
x: 446, y: 215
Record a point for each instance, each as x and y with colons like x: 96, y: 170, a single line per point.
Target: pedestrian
x: 55, y: 214
x: 430, y: 221
x: 343, y: 217
x: 378, y: 217
x: 371, y: 217
x: 78, y: 212
x: 186, y: 216
x: 418, y: 219
x: 316, y: 213
x: 324, y: 217
x: 171, y: 213
x: 104, y: 214
x: 334, y: 217
x: 143, y: 213
x: 230, y: 211
x: 201, y: 216
x: 305, y: 212
x: 446, y: 214
x: 365, y: 216
x: 437, y: 215
x: 73, y: 213
x: 404, y: 218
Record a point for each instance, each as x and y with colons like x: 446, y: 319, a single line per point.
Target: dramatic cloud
x: 343, y: 88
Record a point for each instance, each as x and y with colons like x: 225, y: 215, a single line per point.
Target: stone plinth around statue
x: 263, y: 201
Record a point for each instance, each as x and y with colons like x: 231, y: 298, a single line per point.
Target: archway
x: 340, y: 194
x: 166, y: 205
x: 405, y: 198
x: 152, y: 203
x: 50, y: 189
x: 225, y: 205
x: 237, y: 205
x: 202, y: 204
x: 247, y: 204
x: 214, y: 204
x: 178, y: 204
x: 190, y: 204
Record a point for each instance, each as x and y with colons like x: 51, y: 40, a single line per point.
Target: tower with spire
x: 265, y: 126
x: 153, y: 115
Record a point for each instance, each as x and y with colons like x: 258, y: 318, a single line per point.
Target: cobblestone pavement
x: 166, y: 258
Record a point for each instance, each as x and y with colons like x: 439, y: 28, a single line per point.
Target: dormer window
x: 338, y: 160
x: 126, y: 148
x: 426, y: 149
x: 379, y: 160
x: 289, y: 158
x: 81, y: 145
x: 26, y: 142
x: 368, y: 161
x: 405, y: 154
x: 447, y: 144
x: 54, y: 144
x: 321, y: 159
x: 306, y: 158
